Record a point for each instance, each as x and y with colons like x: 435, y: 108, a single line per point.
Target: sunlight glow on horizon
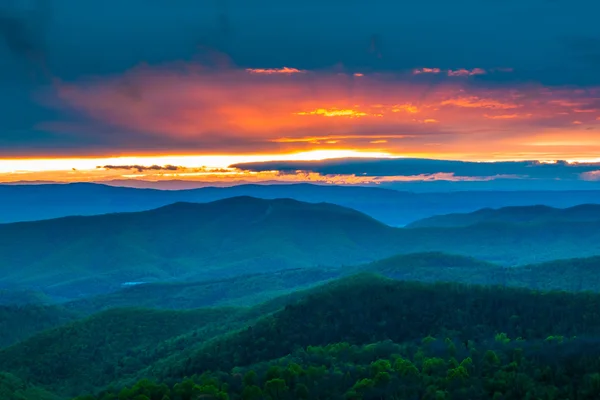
x: 213, y: 161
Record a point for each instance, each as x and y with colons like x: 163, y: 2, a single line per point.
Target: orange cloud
x: 186, y: 108
x: 270, y: 71
x: 333, y: 112
x: 567, y: 103
x: 315, y: 139
x: 506, y: 116
x: 476, y: 102
x: 409, y: 108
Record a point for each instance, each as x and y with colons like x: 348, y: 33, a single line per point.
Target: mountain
x: 576, y: 274
x: 89, y: 353
x: 243, y: 290
x: 572, y: 275
x: 80, y: 256
x: 523, y: 214
x: 247, y: 290
x: 12, y: 297
x: 436, y: 267
x: 365, y: 308
x: 120, y: 346
x: 396, y: 208
x: 75, y: 256
x: 36, y: 202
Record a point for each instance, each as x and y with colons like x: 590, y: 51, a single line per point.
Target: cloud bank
x: 188, y: 107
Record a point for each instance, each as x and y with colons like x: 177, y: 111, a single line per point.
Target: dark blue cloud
x: 560, y: 170
x: 542, y: 40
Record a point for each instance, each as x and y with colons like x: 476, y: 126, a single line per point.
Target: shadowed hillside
x: 108, y: 346
x: 86, y: 255
x: 244, y: 290
x: 81, y: 256
x: 20, y: 322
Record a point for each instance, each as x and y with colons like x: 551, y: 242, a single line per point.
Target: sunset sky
x: 157, y: 89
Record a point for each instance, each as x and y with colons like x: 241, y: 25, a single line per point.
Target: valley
x: 256, y: 298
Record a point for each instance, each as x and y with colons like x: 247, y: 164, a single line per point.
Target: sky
x: 181, y: 89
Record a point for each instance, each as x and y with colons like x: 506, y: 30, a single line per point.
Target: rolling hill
x: 366, y: 308
x: 396, y: 208
x: 247, y: 290
x: 243, y: 290
x: 521, y: 215
x: 86, y: 255
x: 81, y: 256
x: 572, y: 275
x: 90, y: 353
x: 20, y: 322
x: 120, y: 346
x: 11, y: 297
x: 281, y: 288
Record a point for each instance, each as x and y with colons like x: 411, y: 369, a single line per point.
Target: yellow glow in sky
x: 220, y: 161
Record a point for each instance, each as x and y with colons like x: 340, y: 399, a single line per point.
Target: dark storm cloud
x: 410, y: 167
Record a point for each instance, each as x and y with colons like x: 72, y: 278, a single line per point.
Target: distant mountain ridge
x: 521, y: 214
x: 29, y: 202
x: 80, y: 256
x: 185, y: 241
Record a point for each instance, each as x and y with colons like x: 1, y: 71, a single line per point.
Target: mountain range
x: 524, y: 215
x: 395, y: 208
x: 75, y: 257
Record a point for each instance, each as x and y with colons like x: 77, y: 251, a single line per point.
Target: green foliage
x: 109, y: 346
x: 343, y: 371
x: 362, y: 337
x: 366, y: 308
x: 243, y: 290
x: 13, y: 388
x: 18, y: 322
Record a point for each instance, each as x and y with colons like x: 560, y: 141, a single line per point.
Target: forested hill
x: 193, y: 241
x: 523, y: 214
x: 118, y: 347
x: 80, y: 256
x: 573, y: 275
